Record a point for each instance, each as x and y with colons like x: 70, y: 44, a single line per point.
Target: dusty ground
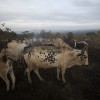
x: 83, y: 83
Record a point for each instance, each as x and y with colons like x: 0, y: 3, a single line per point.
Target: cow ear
x: 79, y: 54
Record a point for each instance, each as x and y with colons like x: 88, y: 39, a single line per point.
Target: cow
x: 81, y: 45
x: 44, y: 58
x: 5, y: 69
x: 12, y: 44
x: 58, y: 42
x: 16, y: 52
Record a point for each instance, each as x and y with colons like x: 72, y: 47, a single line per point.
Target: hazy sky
x: 50, y: 14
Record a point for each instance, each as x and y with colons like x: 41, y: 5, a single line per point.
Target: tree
x: 6, y: 33
x: 43, y: 34
x: 91, y: 35
x: 49, y: 35
x: 58, y: 34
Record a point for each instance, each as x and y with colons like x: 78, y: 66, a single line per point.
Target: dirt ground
x: 82, y: 83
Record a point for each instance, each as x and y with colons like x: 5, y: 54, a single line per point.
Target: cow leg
x: 86, y: 62
x: 58, y: 72
x: 37, y: 73
x: 4, y: 77
x: 28, y: 76
x: 63, y: 73
x: 13, y: 79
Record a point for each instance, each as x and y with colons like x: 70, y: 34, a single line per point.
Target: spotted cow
x: 43, y: 58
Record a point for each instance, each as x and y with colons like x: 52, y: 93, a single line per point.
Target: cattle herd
x: 26, y: 57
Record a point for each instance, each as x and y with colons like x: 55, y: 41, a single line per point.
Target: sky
x: 21, y: 15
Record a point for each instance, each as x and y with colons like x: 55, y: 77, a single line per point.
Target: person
x: 70, y: 40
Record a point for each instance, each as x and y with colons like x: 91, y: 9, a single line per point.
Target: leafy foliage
x: 6, y: 33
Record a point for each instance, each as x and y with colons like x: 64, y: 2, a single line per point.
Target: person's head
x: 70, y: 35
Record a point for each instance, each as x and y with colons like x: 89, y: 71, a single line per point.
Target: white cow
x: 5, y: 69
x: 52, y: 58
x: 58, y: 42
x: 15, y: 53
x: 12, y: 44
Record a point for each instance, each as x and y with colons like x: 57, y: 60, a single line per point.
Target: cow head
x: 81, y: 56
